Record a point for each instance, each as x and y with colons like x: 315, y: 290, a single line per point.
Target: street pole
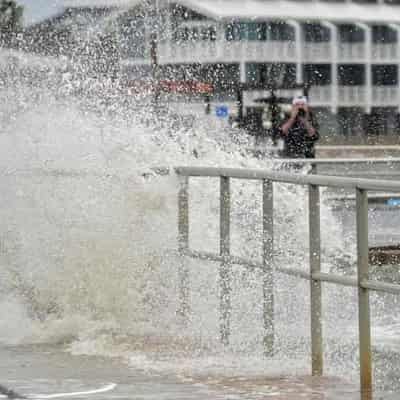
x: 155, y: 72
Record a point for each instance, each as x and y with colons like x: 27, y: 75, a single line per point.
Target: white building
x: 349, y: 51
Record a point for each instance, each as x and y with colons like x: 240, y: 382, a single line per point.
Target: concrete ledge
x: 357, y: 151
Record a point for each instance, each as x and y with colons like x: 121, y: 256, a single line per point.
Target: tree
x: 10, y: 21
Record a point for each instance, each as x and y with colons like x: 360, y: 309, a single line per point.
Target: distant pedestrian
x: 300, y: 130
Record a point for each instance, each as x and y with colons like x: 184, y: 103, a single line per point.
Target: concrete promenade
x: 48, y: 373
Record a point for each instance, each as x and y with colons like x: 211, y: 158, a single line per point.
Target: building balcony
x: 321, y: 95
x: 350, y: 52
x: 317, y: 52
x: 381, y: 96
x: 354, y: 96
x: 273, y: 51
x: 385, y: 96
x: 283, y: 51
x: 228, y: 51
x: 189, y: 52
x: 385, y: 52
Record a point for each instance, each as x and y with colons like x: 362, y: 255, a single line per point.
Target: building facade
x: 347, y: 51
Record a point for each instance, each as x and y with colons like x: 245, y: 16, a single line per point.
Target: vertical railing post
x: 313, y: 169
x: 183, y: 245
x: 315, y: 285
x: 268, y: 267
x: 225, y: 267
x: 364, y: 321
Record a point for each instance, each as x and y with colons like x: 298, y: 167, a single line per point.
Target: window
x: 280, y: 31
x: 209, y: 33
x: 262, y: 75
x: 351, y: 75
x: 382, y: 120
x: 383, y: 34
x: 195, y: 33
x: 350, y: 33
x: 316, y: 33
x: 317, y: 74
x: 259, y: 31
x: 236, y: 31
x: 384, y: 75
x: 350, y: 121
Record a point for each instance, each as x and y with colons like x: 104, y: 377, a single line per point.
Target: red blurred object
x: 169, y: 86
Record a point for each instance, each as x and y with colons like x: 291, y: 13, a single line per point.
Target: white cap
x: 300, y: 100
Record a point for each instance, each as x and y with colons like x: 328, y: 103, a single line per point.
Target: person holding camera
x: 300, y: 130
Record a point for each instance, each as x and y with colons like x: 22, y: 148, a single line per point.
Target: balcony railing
x: 228, y: 51
x: 205, y: 51
x: 385, y: 95
x: 314, y: 52
x: 258, y: 51
x: 321, y: 95
x: 352, y: 95
x: 352, y: 51
x: 385, y: 52
x: 273, y: 51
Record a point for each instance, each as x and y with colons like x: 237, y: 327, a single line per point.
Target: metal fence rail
x: 316, y: 277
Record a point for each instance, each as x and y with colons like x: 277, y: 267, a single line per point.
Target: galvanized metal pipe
x: 298, y: 179
x: 364, y: 321
x: 315, y: 275
x: 209, y: 256
x: 268, y: 267
x: 338, y: 279
x: 183, y: 245
x: 315, y: 285
x: 225, y: 267
x: 381, y: 286
x: 323, y: 277
x: 298, y: 273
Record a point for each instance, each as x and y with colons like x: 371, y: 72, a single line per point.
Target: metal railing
x: 354, y: 167
x: 315, y: 276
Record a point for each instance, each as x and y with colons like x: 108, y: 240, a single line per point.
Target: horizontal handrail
x: 268, y: 267
x: 318, y: 180
x: 320, y: 276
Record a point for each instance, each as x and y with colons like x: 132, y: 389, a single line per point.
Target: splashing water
x: 88, y: 237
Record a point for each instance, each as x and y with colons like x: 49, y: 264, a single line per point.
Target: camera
x: 301, y: 113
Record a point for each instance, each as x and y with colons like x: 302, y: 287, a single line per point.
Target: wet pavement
x: 47, y: 373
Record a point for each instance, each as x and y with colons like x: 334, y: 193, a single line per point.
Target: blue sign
x: 393, y: 202
x: 221, y: 111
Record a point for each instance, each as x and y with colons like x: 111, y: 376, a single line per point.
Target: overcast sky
x: 35, y: 10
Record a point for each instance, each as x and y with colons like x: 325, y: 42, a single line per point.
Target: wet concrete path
x: 32, y: 371
x: 47, y: 373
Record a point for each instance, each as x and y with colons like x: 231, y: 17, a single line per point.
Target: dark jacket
x: 298, y: 143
